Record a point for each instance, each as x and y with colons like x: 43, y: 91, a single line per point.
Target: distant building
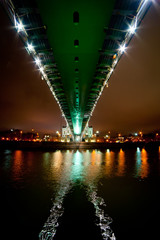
x: 66, y: 134
x: 12, y: 134
x: 47, y: 138
x: 65, y: 131
x: 88, y: 134
x: 88, y: 131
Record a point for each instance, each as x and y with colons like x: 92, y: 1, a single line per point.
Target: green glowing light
x: 77, y: 167
x: 77, y: 127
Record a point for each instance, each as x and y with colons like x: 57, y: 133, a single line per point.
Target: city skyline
x: 129, y: 104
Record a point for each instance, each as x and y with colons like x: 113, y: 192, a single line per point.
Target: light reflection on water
x: 82, y: 167
x: 142, y: 165
x: 121, y: 163
x: 86, y: 168
x: 109, y: 163
x: 63, y: 170
x: 17, y: 168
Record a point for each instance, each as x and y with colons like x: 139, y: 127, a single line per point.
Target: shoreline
x: 42, y: 146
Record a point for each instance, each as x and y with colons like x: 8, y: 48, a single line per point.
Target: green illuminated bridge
x: 76, y: 45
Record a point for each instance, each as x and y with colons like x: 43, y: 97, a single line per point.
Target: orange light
x: 121, y: 163
x: 145, y: 165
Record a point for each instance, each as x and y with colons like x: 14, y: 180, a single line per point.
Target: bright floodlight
x: 122, y: 48
x: 19, y: 26
x: 41, y: 69
x: 37, y: 61
x: 132, y: 29
x: 30, y: 47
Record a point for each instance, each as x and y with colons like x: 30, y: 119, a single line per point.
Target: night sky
x: 131, y: 102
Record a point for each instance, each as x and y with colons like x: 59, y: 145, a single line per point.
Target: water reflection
x: 142, y: 165
x: 17, y: 164
x: 64, y: 173
x: 60, y: 171
x: 93, y: 169
x: 77, y: 170
x: 77, y: 167
x: 56, y: 165
x: 109, y: 163
x: 8, y: 158
x: 121, y: 163
x: 66, y: 169
x: 86, y: 168
x: 138, y: 162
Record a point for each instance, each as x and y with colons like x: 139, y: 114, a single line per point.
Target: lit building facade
x: 66, y: 134
x: 88, y: 134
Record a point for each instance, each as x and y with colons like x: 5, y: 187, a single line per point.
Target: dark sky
x: 130, y: 103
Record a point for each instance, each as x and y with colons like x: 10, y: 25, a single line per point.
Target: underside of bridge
x: 76, y: 45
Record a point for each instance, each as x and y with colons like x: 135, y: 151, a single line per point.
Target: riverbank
x: 28, y: 145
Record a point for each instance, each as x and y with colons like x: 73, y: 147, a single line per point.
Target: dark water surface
x: 88, y: 194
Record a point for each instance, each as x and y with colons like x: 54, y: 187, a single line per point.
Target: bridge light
x: 132, y: 29
x: 19, y: 25
x: 37, y: 61
x: 41, y: 69
x: 114, y: 56
x: 45, y: 75
x: 122, y: 48
x: 111, y: 70
x: 115, y: 62
x: 30, y: 47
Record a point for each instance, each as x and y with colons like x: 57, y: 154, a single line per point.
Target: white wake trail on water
x: 76, y: 169
x: 50, y: 227
x: 104, y: 220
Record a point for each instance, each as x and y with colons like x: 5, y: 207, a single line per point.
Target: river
x: 80, y: 194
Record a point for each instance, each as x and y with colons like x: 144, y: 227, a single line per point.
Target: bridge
x: 76, y: 45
